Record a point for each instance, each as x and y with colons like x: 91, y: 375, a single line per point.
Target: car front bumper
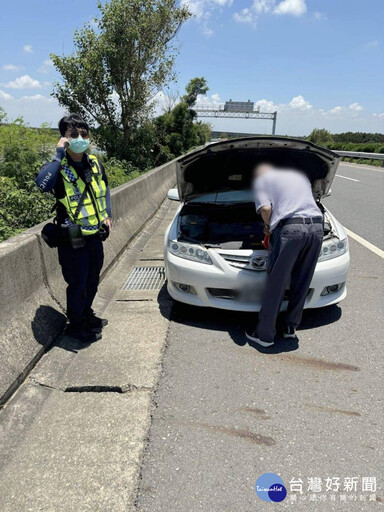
x: 237, y: 283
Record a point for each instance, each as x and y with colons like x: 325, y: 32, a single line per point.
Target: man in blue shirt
x: 295, y: 224
x: 83, y: 207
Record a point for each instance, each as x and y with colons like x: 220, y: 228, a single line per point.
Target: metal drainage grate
x: 145, y: 278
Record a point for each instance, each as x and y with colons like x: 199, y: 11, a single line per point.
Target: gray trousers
x: 293, y: 253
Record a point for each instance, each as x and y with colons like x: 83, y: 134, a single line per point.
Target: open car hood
x: 228, y: 165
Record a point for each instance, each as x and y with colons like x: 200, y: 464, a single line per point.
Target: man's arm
x: 46, y: 179
x: 266, y: 212
x: 263, y: 203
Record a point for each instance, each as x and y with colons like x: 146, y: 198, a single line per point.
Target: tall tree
x: 195, y: 87
x: 119, y: 64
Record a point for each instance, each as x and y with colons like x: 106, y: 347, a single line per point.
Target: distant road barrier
x: 364, y: 156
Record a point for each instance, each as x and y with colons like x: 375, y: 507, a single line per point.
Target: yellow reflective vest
x: 93, y: 211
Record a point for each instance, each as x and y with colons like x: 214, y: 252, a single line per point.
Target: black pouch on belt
x: 75, y: 236
x: 51, y: 234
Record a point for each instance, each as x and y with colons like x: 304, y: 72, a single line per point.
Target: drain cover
x: 145, y: 278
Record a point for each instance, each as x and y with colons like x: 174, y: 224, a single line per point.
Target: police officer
x: 83, y: 207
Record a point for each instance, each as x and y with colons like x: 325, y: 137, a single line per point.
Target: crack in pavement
x: 98, y: 388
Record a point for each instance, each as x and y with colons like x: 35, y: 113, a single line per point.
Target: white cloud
x: 352, y: 109
x: 378, y: 115
x: 5, y: 95
x: 293, y: 7
x: 35, y: 97
x: 23, y: 82
x: 246, y: 16
x: 300, y: 103
x: 35, y: 109
x: 355, y: 107
x: 266, y: 105
x: 251, y: 14
x: 213, y: 100
x: 11, y: 67
x: 27, y: 48
x: 371, y: 44
x: 46, y: 66
x: 202, y: 10
x: 260, y: 6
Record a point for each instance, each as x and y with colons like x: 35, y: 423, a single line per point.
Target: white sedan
x: 213, y: 248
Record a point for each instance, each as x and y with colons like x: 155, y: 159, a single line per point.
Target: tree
x: 119, y: 66
x: 195, y: 87
x: 320, y: 136
x: 171, y: 98
x: 176, y: 130
x: 22, y: 152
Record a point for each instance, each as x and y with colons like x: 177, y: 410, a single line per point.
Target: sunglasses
x: 75, y: 133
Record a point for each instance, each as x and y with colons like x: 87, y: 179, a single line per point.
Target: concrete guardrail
x: 32, y: 290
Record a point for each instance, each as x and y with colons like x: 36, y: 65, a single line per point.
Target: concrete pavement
x: 72, y: 437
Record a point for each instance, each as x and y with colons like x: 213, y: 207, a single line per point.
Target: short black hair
x: 72, y: 121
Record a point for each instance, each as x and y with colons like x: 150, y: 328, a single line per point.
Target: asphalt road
x: 357, y: 201
x: 228, y: 412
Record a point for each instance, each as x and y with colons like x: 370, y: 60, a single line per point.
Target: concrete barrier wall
x: 32, y: 290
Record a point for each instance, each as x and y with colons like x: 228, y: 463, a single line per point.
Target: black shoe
x: 289, y: 332
x: 94, y: 322
x: 82, y: 334
x: 252, y: 335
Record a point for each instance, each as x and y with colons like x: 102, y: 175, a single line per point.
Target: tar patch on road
x: 337, y: 411
x: 251, y: 437
x: 260, y: 413
x: 321, y: 364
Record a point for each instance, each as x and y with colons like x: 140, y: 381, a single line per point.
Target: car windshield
x: 227, y: 196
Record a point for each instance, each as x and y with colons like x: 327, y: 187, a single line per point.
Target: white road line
x: 361, y: 166
x: 364, y: 242
x: 346, y: 177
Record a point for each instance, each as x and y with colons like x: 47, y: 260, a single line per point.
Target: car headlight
x: 189, y: 252
x: 333, y: 248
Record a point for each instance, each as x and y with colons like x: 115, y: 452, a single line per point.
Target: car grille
x: 223, y: 293
x: 227, y: 294
x: 244, y: 262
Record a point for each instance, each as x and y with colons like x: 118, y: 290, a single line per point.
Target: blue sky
x: 319, y: 63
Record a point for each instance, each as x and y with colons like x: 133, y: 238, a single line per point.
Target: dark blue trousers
x: 293, y: 253
x: 81, y: 270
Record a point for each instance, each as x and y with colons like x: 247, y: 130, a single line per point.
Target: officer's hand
x: 109, y: 223
x: 63, y: 142
x: 266, y: 231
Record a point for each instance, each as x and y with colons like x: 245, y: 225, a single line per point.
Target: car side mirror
x: 173, y: 194
x: 329, y: 193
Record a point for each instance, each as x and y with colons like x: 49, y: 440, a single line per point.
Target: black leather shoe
x: 82, y: 334
x: 94, y: 322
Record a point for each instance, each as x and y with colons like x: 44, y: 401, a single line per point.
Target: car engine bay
x: 226, y: 226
